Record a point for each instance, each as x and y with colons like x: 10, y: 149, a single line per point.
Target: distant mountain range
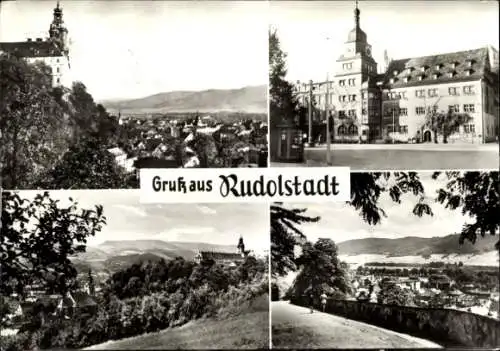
x: 250, y: 99
x: 417, y: 246
x: 115, y: 255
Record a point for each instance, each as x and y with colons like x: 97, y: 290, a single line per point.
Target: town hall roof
x: 435, y: 69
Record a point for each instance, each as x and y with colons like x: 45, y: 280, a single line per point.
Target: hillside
x: 251, y: 99
x: 248, y: 330
x: 417, y: 246
x: 114, y: 255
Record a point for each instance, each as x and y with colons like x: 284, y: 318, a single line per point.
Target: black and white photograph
x: 95, y: 269
x: 412, y: 261
x: 92, y: 91
x: 384, y: 85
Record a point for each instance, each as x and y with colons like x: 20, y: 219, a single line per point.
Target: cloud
x: 132, y: 209
x: 186, y: 234
x: 206, y: 210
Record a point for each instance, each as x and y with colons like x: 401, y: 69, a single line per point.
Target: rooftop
x: 38, y: 48
x: 440, y: 68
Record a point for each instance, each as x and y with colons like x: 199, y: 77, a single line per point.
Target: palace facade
x: 53, y: 50
x: 365, y: 105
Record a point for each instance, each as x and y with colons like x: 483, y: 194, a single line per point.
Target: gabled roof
x: 455, y: 62
x: 46, y: 48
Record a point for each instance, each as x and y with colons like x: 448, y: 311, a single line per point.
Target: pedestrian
x: 311, y: 302
x: 323, y: 301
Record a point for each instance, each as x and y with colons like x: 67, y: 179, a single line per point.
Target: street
x: 402, y: 156
x: 295, y: 327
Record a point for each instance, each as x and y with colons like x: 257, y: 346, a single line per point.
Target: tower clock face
x: 368, y: 51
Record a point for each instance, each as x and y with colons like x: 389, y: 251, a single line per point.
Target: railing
x: 446, y: 327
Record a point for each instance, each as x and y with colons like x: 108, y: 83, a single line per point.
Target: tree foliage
x: 87, y: 165
x: 39, y: 236
x: 392, y: 294
x: 445, y: 123
x: 283, y: 103
x: 33, y: 127
x: 285, y: 236
x: 320, y: 270
x: 477, y: 195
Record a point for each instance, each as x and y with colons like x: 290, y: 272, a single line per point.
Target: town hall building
x: 368, y: 106
x: 53, y: 50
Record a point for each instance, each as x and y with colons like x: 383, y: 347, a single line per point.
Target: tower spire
x: 356, y: 14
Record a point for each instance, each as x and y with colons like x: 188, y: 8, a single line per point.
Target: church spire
x: 356, y: 15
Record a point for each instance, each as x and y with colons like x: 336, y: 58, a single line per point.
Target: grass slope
x: 249, y: 329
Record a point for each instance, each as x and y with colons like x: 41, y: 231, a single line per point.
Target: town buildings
x: 368, y: 106
x: 52, y: 50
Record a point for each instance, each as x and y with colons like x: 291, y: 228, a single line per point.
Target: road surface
x: 295, y: 327
x: 397, y: 157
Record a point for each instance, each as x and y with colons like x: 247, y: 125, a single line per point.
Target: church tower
x: 241, y: 246
x: 354, y: 68
x: 58, y: 32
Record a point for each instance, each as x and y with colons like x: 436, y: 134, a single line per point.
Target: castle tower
x: 58, y: 32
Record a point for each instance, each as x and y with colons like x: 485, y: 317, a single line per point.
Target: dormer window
x: 454, y: 64
x: 423, y: 68
x: 451, y: 74
x: 438, y: 66
x: 391, y: 80
x: 435, y: 76
x: 468, y: 72
x: 395, y: 72
x: 469, y: 63
x: 409, y: 70
x: 421, y: 77
x: 406, y: 79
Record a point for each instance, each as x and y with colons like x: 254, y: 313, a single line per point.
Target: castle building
x: 229, y: 258
x: 53, y: 51
x: 371, y: 106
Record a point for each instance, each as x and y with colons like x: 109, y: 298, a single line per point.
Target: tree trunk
x: 435, y: 137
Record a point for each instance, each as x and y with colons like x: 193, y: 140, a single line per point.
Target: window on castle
x: 420, y: 110
x: 403, y: 129
x: 403, y: 111
x: 454, y: 108
x: 406, y: 79
x: 435, y: 76
x: 352, y: 97
x: 433, y: 92
x: 352, y: 82
x: 58, y: 69
x: 469, y: 108
x: 420, y: 77
x: 469, y: 90
x: 469, y: 128
x: 58, y: 80
x: 403, y: 95
x: 347, y: 66
x: 342, y: 98
x: 342, y: 83
x: 341, y: 114
x: 351, y: 113
x: 364, y: 111
x: 453, y: 91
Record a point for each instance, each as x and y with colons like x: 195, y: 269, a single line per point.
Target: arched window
x: 341, y: 130
x: 353, y: 130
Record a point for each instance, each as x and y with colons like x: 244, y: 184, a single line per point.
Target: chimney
x: 29, y: 39
x: 38, y: 39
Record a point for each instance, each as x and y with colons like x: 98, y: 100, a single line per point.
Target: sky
x: 127, y: 219
x: 132, y: 49
x: 341, y: 222
x: 313, y: 32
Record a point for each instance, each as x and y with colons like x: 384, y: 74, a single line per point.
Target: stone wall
x: 446, y: 327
